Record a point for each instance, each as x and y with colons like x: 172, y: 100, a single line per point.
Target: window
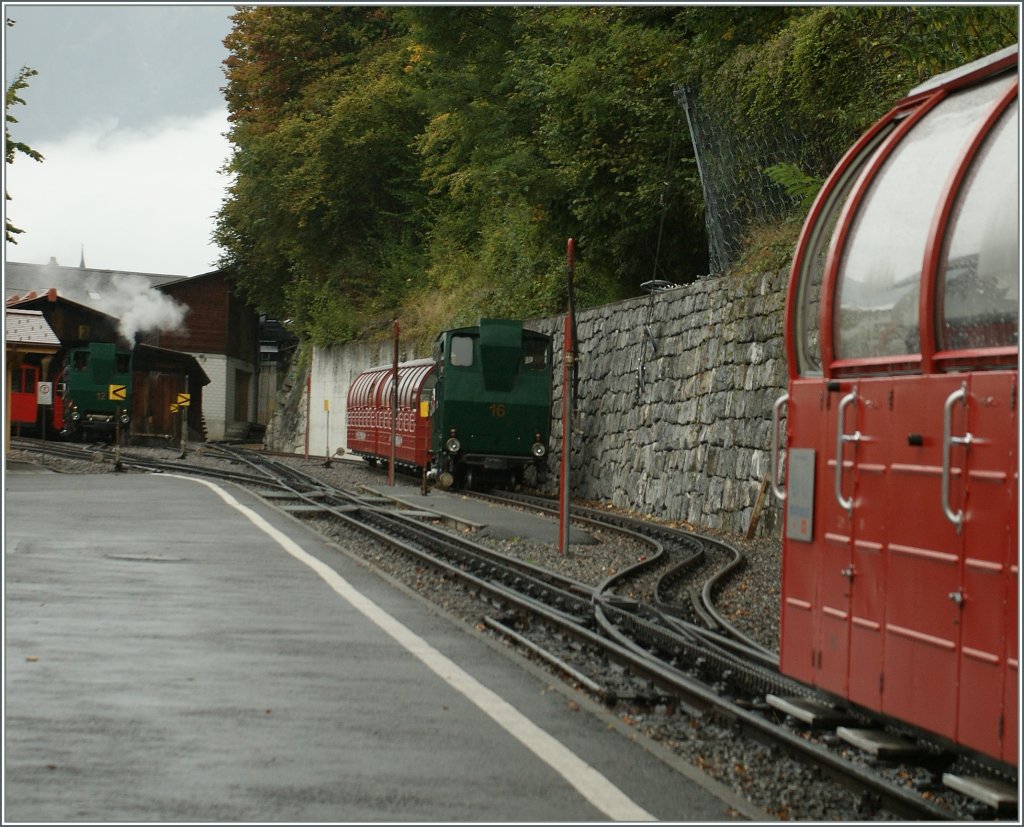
x: 427, y: 396
x: 877, y: 313
x: 535, y: 354
x: 979, y: 274
x: 462, y: 351
x: 24, y: 380
x: 813, y: 269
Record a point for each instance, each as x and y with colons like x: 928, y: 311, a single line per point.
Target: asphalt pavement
x: 180, y: 651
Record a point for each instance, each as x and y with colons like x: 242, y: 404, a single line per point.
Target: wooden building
x: 222, y: 332
x: 158, y: 374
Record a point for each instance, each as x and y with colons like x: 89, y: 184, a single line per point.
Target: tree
x: 548, y: 123
x: 11, y: 147
x: 325, y: 188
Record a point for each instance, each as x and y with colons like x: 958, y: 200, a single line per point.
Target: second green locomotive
x: 477, y: 413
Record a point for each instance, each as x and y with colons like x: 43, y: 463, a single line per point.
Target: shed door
x: 154, y: 394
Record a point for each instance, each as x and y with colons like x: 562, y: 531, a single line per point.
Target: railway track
x: 666, y: 648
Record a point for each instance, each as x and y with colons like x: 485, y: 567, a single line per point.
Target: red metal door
x: 888, y: 560
x: 835, y: 488
x: 870, y: 453
x: 921, y: 635
x: 983, y: 505
x: 802, y: 560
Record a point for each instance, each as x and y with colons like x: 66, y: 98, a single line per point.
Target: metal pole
x: 394, y: 408
x: 44, y: 436
x: 184, y: 420
x: 309, y: 383
x: 117, y: 441
x: 327, y: 435
x: 568, y: 391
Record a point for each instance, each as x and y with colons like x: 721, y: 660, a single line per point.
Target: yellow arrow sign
x: 183, y: 399
x: 174, y: 408
x: 118, y: 392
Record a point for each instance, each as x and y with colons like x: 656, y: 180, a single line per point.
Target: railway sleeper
x: 993, y: 794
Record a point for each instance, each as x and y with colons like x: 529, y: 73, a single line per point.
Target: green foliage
x: 429, y: 162
x: 769, y: 247
x: 11, y: 146
x: 832, y: 71
x: 798, y: 184
x: 324, y: 196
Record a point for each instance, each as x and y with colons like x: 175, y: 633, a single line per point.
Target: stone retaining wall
x: 689, y: 439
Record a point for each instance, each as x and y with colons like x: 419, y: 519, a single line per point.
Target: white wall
x: 219, y: 395
x: 332, y: 372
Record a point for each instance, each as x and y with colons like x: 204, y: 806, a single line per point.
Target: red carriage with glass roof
x: 901, y: 554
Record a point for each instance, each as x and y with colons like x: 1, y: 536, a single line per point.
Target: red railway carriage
x: 27, y: 416
x: 24, y: 396
x: 369, y: 413
x: 901, y: 556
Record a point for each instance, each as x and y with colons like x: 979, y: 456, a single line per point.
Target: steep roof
x: 28, y: 327
x: 67, y: 317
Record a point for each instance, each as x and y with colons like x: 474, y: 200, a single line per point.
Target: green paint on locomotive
x: 493, y: 393
x: 98, y: 386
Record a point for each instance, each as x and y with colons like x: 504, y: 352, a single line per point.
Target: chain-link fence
x: 732, y: 162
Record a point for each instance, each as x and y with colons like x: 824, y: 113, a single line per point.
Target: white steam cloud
x: 140, y: 307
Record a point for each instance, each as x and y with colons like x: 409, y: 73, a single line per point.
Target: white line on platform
x: 591, y: 784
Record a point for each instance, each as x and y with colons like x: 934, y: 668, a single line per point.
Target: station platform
x: 181, y: 651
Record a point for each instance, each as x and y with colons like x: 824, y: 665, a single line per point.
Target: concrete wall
x: 219, y: 395
x: 691, y: 443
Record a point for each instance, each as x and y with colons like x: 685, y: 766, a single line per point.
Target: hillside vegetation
x: 429, y: 162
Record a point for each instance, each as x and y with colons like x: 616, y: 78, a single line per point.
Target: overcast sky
x: 127, y: 110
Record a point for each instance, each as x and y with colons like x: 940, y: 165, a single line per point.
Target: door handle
x: 841, y: 439
x: 959, y: 395
x: 777, y: 489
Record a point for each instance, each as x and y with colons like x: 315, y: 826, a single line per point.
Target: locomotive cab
x: 97, y: 381
x: 901, y: 560
x: 492, y: 409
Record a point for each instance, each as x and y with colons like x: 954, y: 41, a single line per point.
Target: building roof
x: 28, y: 327
x: 33, y: 301
x: 21, y: 278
